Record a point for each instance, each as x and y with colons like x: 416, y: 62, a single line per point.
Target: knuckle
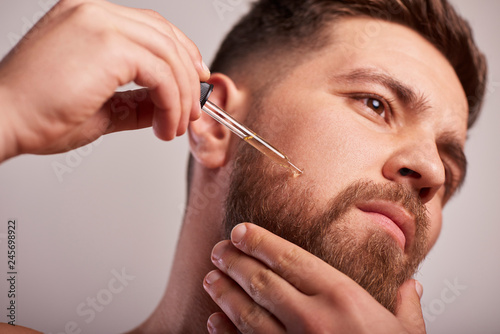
x: 287, y: 260
x: 230, y: 264
x: 87, y: 10
x: 167, y: 29
x: 153, y: 13
x: 259, y: 282
x: 89, y: 17
x: 160, y: 22
x: 249, y: 318
x: 253, y: 242
x: 67, y: 4
x: 169, y: 44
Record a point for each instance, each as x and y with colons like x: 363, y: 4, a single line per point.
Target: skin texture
x: 319, y: 120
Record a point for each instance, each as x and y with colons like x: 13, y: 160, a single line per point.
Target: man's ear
x: 209, y: 140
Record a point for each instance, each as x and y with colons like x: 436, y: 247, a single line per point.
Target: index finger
x: 158, y: 22
x: 305, y: 271
x: 194, y: 53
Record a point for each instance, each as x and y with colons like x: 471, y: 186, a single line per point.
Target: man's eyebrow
x: 404, y: 93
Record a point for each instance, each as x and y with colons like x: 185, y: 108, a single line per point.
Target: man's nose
x: 417, y: 164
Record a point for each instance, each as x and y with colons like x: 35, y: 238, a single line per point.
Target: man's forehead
x: 361, y: 45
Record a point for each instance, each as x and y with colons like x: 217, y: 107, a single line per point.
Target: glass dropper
x: 243, y: 132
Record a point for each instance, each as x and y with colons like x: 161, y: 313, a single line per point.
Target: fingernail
x: 419, y: 288
x: 215, y: 319
x: 218, y: 250
x: 213, y: 322
x: 238, y: 233
x: 212, y: 276
x: 205, y: 67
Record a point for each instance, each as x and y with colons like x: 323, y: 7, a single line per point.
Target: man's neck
x: 185, y: 306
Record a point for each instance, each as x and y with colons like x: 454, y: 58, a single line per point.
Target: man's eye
x: 375, y: 104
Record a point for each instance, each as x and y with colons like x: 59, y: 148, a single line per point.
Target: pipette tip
x: 296, y: 171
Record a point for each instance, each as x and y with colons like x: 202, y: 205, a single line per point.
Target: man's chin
x: 374, y: 260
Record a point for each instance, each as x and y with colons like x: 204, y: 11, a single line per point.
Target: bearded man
x: 373, y: 99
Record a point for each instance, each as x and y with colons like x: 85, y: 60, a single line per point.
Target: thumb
x: 128, y: 110
x: 408, y: 308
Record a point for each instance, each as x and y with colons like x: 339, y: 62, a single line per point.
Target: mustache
x: 278, y: 181
x: 296, y: 202
x: 366, y: 190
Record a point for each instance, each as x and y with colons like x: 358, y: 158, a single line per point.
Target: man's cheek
x: 435, y: 213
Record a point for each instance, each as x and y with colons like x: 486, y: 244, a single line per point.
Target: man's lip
x: 396, y: 213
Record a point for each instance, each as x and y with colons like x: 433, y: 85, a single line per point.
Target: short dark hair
x: 275, y: 28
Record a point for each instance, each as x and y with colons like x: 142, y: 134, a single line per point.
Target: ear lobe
x: 208, y: 139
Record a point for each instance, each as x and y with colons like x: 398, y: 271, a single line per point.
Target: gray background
x: 120, y: 207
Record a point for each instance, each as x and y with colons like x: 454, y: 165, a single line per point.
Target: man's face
x: 377, y: 121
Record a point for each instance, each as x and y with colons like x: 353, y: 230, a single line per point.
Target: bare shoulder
x: 7, y: 329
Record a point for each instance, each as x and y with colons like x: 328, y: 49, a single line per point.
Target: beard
x: 265, y: 194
